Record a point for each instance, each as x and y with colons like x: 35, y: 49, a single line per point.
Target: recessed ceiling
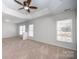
x: 41, y: 4
x: 44, y: 7
x: 11, y: 19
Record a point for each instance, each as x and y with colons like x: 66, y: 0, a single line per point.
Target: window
x: 21, y: 29
x: 31, y: 29
x: 64, y: 30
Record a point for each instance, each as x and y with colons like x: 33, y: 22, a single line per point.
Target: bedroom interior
x: 39, y: 29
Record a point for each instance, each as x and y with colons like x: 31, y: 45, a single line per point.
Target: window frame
x: 31, y: 30
x: 65, y: 37
x: 22, y: 29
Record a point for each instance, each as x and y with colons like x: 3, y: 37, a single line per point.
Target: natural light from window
x: 64, y: 30
x: 31, y: 30
x: 21, y: 29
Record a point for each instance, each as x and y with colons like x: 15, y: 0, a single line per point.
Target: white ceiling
x: 44, y: 7
x: 12, y: 19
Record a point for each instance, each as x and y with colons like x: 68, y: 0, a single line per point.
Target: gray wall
x: 9, y: 30
x: 45, y: 29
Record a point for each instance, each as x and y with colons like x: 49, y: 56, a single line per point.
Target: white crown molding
x: 12, y: 12
x: 9, y: 11
x: 41, y: 13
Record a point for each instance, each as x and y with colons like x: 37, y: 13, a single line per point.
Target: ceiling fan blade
x: 28, y: 10
x: 32, y: 7
x: 28, y: 1
x: 18, y: 2
x: 20, y: 8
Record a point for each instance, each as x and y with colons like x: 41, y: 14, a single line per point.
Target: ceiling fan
x: 26, y: 5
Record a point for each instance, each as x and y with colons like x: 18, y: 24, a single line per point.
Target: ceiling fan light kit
x: 26, y: 8
x: 26, y: 5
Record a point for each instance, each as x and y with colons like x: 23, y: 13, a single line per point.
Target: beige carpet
x: 16, y: 48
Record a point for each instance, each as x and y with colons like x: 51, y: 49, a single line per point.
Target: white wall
x: 9, y: 30
x: 45, y: 29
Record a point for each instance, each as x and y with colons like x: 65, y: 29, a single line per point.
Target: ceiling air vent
x: 67, y: 9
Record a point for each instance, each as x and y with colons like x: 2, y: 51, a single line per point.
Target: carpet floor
x: 16, y: 48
